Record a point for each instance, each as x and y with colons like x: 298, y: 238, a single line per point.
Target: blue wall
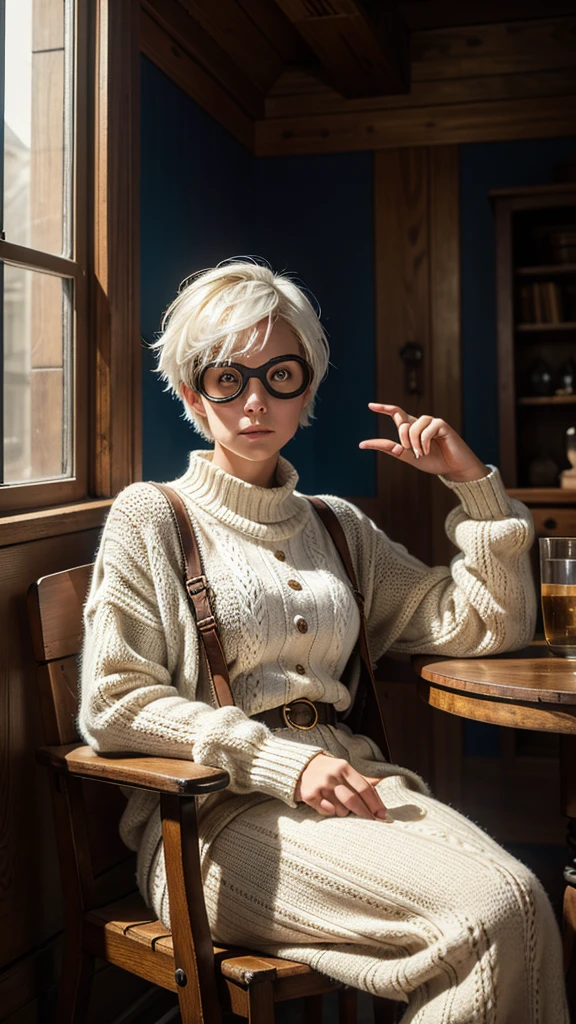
x: 204, y: 198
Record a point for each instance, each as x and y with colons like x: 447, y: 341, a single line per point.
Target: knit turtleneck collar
x: 268, y: 513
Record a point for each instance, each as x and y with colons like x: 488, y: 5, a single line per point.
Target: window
x: 43, y: 321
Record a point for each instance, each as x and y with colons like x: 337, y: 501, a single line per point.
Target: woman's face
x: 274, y: 420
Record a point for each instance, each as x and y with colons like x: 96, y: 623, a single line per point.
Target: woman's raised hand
x: 428, y: 443
x: 333, y: 787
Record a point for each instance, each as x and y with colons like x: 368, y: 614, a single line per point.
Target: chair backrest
x: 55, y: 605
x: 55, y: 611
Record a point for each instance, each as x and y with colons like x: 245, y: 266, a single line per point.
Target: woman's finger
x: 415, y: 435
x: 371, y: 798
x: 384, y: 444
x: 404, y: 434
x: 366, y: 791
x: 325, y: 807
x: 331, y: 798
x: 428, y: 435
x: 398, y: 414
x: 352, y: 801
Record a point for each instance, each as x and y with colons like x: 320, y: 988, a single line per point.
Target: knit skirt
x: 425, y: 909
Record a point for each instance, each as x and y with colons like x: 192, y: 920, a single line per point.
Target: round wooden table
x: 526, y: 689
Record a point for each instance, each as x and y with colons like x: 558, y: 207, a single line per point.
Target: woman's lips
x: 257, y: 432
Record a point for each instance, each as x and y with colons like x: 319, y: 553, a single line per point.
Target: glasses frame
x: 247, y: 372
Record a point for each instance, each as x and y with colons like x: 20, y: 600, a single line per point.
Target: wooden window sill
x: 52, y: 522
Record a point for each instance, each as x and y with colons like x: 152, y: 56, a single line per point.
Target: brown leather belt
x: 298, y: 714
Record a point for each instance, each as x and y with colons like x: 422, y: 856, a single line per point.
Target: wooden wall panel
x: 445, y: 321
x: 30, y: 892
x: 418, y: 299
x: 117, y: 458
x: 401, y: 182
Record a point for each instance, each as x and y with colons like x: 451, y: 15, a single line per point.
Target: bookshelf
x: 535, y: 234
x: 536, y: 320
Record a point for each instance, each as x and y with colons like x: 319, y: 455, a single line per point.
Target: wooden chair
x: 104, y: 916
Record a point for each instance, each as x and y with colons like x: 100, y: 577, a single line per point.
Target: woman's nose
x: 255, y: 396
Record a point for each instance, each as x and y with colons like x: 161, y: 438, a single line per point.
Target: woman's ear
x: 192, y: 399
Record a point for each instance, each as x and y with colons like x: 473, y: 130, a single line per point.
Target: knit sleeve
x: 483, y: 603
x: 139, y: 638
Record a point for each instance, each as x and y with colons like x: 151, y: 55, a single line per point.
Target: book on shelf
x: 540, y: 303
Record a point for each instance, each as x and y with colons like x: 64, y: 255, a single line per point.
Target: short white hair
x: 216, y: 313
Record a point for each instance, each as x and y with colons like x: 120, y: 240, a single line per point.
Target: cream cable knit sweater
x: 288, y: 622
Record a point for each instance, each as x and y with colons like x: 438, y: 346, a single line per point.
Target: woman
x: 320, y: 850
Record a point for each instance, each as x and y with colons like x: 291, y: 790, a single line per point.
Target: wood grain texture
x: 401, y: 200
x: 30, y: 910
x: 506, y: 48
x: 297, y: 93
x: 115, y: 298
x: 555, y: 522
x: 359, y: 54
x: 55, y: 605
x: 417, y: 299
x: 193, y: 950
x: 505, y: 341
x: 169, y: 18
x: 532, y: 674
x: 194, y: 81
x: 445, y: 322
x: 505, y: 120
x: 161, y: 774
x: 515, y: 714
x: 236, y: 28
x: 50, y: 522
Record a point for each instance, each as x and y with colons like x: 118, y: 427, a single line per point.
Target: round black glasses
x: 283, y: 377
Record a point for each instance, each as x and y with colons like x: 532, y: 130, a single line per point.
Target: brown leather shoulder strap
x: 336, y: 531
x: 198, y: 591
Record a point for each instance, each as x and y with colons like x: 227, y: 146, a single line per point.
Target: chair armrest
x: 160, y: 774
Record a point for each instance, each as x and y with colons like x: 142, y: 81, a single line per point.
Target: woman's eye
x: 282, y: 374
x: 227, y: 378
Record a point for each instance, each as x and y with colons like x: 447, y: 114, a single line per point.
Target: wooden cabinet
x: 555, y: 521
x: 536, y: 323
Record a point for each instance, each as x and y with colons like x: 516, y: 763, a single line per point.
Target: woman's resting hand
x: 333, y: 787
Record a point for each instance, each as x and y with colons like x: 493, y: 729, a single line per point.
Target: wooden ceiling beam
x: 171, y: 36
x: 417, y: 126
x: 362, y: 48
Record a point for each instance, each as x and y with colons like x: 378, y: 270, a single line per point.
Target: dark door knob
x: 412, y: 355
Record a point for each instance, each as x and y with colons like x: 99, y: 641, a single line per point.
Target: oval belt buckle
x: 286, y: 708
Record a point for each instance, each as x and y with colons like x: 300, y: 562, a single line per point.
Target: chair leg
x: 261, y: 1003
x: 313, y: 1010
x: 348, y: 1006
x: 75, y: 985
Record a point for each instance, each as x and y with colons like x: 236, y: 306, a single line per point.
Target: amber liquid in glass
x: 559, y: 613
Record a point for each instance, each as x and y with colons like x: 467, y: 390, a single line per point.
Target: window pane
x: 37, y: 129
x: 38, y: 378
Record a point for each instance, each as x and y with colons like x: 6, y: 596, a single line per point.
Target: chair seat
x: 126, y: 932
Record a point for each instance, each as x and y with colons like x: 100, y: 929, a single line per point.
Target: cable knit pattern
x: 288, y: 623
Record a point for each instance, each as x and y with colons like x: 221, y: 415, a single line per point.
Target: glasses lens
x: 286, y: 377
x: 221, y: 381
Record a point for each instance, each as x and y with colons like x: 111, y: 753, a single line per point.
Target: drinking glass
x: 558, y: 590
